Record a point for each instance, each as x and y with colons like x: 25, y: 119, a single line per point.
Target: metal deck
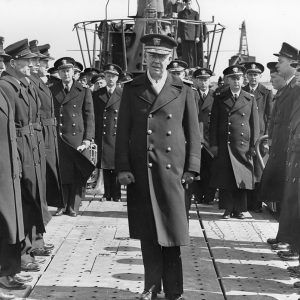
x: 95, y: 259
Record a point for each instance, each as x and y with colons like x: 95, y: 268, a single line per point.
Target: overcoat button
x: 150, y: 165
x: 151, y: 147
x: 60, y: 124
x: 115, y: 118
x: 150, y: 116
x: 60, y: 115
x: 73, y: 124
x: 116, y: 111
x: 242, y: 124
x: 60, y: 133
x: 229, y: 132
x: 149, y: 132
x: 228, y: 142
x: 105, y: 110
x: 243, y: 114
x: 104, y: 118
x: 209, y: 113
x: 74, y: 105
x: 73, y: 115
x: 104, y: 125
x: 242, y: 133
x: 114, y: 133
x: 242, y: 143
x: 104, y: 133
x: 170, y: 116
x: 74, y: 133
x: 168, y: 166
x: 229, y: 123
x: 169, y: 133
x: 169, y: 149
x: 115, y: 126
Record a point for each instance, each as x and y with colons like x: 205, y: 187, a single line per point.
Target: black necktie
x: 235, y: 96
x: 204, y: 95
x: 66, y: 89
x: 252, y: 91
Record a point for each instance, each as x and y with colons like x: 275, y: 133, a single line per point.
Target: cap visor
x: 276, y: 54
x: 66, y: 66
x: 29, y: 55
x: 158, y: 50
x: 111, y: 72
x: 295, y: 65
x: 235, y: 74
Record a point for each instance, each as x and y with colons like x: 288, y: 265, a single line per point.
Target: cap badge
x: 235, y: 70
x: 203, y: 72
x: 253, y: 66
x: 156, y: 41
x: 64, y: 61
x: 175, y: 65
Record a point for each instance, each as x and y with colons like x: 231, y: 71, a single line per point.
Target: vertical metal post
x: 106, y: 9
x: 124, y: 46
x: 94, y: 45
x: 87, y: 44
x: 80, y: 46
x: 217, y: 53
x: 211, y: 46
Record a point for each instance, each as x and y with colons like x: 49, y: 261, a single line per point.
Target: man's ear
x: 12, y: 63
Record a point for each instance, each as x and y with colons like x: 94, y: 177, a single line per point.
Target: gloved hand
x: 125, y: 178
x: 187, y: 178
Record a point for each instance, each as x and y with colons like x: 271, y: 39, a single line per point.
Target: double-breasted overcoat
x: 289, y: 219
x: 106, y: 110
x: 11, y: 214
x: 75, y: 122
x: 264, y: 100
x: 273, y: 177
x: 48, y: 121
x: 234, y: 129
x: 25, y: 106
x: 158, y: 139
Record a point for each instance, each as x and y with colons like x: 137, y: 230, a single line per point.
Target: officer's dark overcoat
x: 25, y: 106
x: 272, y: 182
x: 289, y: 221
x: 234, y: 129
x: 11, y: 215
x: 158, y: 139
x: 186, y: 31
x: 48, y: 121
x: 264, y: 100
x: 106, y: 117
x: 75, y: 122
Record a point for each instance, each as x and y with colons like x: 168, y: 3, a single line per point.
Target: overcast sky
x: 268, y: 23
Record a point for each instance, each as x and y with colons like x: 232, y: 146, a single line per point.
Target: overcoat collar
x: 74, y: 92
x: 207, y: 102
x: 115, y: 97
x: 170, y: 91
x: 242, y: 100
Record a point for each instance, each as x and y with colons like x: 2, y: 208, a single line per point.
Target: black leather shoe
x: 23, y: 278
x: 148, y: 296
x: 272, y: 241
x: 71, y: 212
x: 9, y: 283
x: 117, y: 199
x: 226, y: 214
x: 40, y: 252
x: 48, y: 246
x: 239, y: 216
x: 30, y: 267
x: 174, y: 297
x: 59, y: 212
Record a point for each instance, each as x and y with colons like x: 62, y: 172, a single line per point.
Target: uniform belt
x: 49, y: 122
x: 28, y: 129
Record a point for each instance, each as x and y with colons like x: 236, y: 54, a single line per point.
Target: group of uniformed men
x: 165, y: 140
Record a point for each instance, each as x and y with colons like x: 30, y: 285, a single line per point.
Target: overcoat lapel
x: 143, y: 89
x: 169, y: 92
x: 241, y: 102
x: 115, y: 97
x: 207, y: 102
x: 74, y: 92
x: 59, y: 93
x: 4, y: 106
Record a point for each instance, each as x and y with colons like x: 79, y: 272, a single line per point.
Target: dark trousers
x: 10, y: 258
x: 253, y: 199
x: 234, y: 201
x: 162, y: 266
x: 112, y: 188
x: 189, y: 53
x: 72, y: 194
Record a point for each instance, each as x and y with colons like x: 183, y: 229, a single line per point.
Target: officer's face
x: 253, y: 78
x: 66, y: 75
x: 34, y: 69
x: 22, y: 65
x: 157, y: 63
x: 180, y: 74
x: 111, y: 79
x: 203, y: 83
x: 99, y: 84
x: 43, y: 68
x: 283, y: 66
x: 235, y: 82
x: 188, y: 4
x: 277, y: 81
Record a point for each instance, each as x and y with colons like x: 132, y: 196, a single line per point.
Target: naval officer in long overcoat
x: 234, y: 129
x: 25, y: 105
x: 106, y: 108
x: 264, y: 100
x: 73, y: 108
x: 157, y: 150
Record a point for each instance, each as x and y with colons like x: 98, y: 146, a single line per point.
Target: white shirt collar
x: 159, y: 84
x: 205, y: 92
x: 287, y: 82
x: 238, y: 93
x: 111, y: 89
